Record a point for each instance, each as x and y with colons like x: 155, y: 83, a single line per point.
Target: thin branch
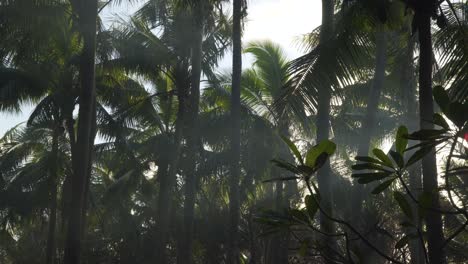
x: 353, y: 229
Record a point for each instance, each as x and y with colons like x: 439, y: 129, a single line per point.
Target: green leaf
x: 311, y: 205
x: 370, y: 174
x: 286, y: 165
x: 457, y: 113
x: 401, y: 139
x: 427, y: 134
x: 378, y: 176
x: 293, y: 148
x: 368, y: 160
x: 306, y: 170
x: 383, y: 186
x: 383, y: 157
x: 403, y: 204
x: 368, y: 166
x: 441, y: 97
x: 439, y: 120
x: 418, y: 155
x: 325, y: 146
x: 398, y: 158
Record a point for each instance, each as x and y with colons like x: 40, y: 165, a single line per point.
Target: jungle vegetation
x: 140, y: 150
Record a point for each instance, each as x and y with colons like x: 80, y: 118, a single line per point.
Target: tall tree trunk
x: 435, y: 238
x: 234, y: 210
x: 89, y: 170
x: 185, y: 252
x: 166, y: 186
x: 323, y: 122
x: 408, y: 83
x: 373, y: 100
x: 66, y: 187
x: 87, y: 12
x: 51, y: 242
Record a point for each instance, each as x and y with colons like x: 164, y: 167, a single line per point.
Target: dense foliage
x: 140, y: 150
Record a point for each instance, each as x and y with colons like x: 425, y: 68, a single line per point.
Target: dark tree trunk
x: 435, y: 238
x: 166, y: 187
x: 408, y: 83
x: 89, y: 170
x: 51, y: 242
x: 185, y: 252
x: 87, y: 12
x: 234, y: 210
x: 323, y: 121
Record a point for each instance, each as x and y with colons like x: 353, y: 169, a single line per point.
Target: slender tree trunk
x: 435, y: 238
x: 66, y: 188
x: 51, y: 242
x: 234, y: 206
x: 89, y: 169
x: 368, y: 127
x: 408, y: 83
x: 185, y: 252
x: 323, y: 122
x: 87, y: 12
x: 166, y: 187
x: 373, y: 99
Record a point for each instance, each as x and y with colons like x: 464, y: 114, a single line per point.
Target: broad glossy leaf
x: 439, y: 120
x: 401, y: 139
x: 427, y: 134
x: 418, y: 155
x: 383, y: 157
x: 369, y: 166
x: 398, y: 158
x: 458, y: 113
x: 441, y: 97
x: 286, y: 165
x: 368, y: 160
x: 325, y: 146
x: 293, y: 148
x: 376, y: 177
x: 304, y: 169
x: 383, y: 186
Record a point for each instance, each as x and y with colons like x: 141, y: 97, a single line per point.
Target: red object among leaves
x: 466, y: 136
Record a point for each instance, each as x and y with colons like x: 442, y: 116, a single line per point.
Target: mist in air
x: 233, y: 132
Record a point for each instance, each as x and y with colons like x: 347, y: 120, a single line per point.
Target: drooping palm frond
x: 451, y: 42
x: 350, y: 57
x: 18, y: 87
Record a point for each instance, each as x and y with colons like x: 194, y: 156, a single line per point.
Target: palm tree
x: 34, y: 161
x: 423, y: 13
x: 87, y: 13
x: 323, y: 117
x: 262, y: 86
x: 234, y: 203
x: 178, y: 55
